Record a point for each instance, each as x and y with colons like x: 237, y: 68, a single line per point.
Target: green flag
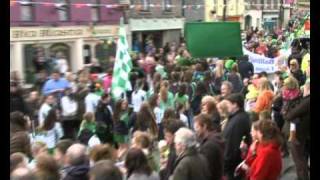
x: 122, y: 67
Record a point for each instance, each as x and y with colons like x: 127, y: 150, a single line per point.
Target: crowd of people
x: 184, y: 119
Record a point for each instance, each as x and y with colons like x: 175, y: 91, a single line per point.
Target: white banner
x: 269, y: 65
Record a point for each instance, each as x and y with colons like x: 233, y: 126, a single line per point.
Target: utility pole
x: 224, y: 10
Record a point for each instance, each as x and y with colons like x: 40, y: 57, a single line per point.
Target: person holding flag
x: 122, y: 66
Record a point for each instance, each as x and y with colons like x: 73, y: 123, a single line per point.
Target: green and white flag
x: 122, y: 67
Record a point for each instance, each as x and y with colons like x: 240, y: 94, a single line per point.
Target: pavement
x: 288, y: 169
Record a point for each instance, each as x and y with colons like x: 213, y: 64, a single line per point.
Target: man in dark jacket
x: 17, y: 102
x: 169, y: 129
x: 301, y: 112
x: 238, y: 125
x: 246, y: 68
x: 211, y: 144
x: 189, y: 165
x: 76, y: 163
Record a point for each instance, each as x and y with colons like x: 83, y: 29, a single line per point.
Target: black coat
x: 238, y: 125
x: 246, y: 69
x: 302, y: 112
x: 299, y: 76
x: 77, y: 173
x: 103, y: 114
x: 17, y: 103
x: 191, y: 165
x: 212, y: 148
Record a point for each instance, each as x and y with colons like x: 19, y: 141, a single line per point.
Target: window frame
x: 64, y: 8
x: 145, y: 5
x: 97, y: 11
x: 30, y: 6
x: 167, y: 5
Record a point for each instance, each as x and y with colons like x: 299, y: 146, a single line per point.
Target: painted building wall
x: 48, y: 15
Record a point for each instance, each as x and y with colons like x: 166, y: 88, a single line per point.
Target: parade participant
x: 226, y: 89
x: 50, y: 132
x: 138, y: 95
x: 121, y: 126
x: 17, y: 102
x: 208, y: 106
x: 91, y: 100
x: 47, y: 105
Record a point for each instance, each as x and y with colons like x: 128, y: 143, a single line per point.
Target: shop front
x: 158, y: 30
x: 32, y: 47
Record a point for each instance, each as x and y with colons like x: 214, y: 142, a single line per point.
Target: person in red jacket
x: 268, y: 163
x: 263, y: 161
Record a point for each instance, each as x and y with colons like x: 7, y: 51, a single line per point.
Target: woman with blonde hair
x: 208, y: 106
x: 218, y: 76
x: 265, y: 97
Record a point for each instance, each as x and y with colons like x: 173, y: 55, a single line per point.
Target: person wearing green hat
x: 229, y: 63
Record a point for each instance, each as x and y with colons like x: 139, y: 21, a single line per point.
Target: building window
x: 145, y: 5
x: 26, y: 10
x: 276, y: 4
x: 167, y: 5
x: 95, y: 11
x: 63, y: 10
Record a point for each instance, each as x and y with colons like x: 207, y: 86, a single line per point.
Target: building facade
x: 79, y: 29
x: 234, y: 10
x: 262, y: 14
x: 158, y: 20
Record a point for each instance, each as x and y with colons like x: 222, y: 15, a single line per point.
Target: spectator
x: 265, y: 97
x: 138, y: 96
x: 76, y: 163
x: 46, y: 168
x: 60, y: 151
x: 143, y: 141
x: 22, y: 173
x: 296, y: 72
x: 208, y: 106
x: 211, y: 144
x: 235, y: 78
x: 169, y: 158
x: 55, y: 85
x: 268, y: 162
x: 219, y: 75
x: 238, y: 126
x: 222, y: 108
x: 19, y: 137
x: 62, y: 64
x: 33, y: 103
x: 105, y: 170
x: 18, y: 160
x: 37, y: 148
x: 102, y: 152
x: 301, y: 112
x: 107, y: 81
x: 246, y: 68
x: 189, y: 163
x: 137, y: 166
x: 226, y: 89
x: 17, y: 102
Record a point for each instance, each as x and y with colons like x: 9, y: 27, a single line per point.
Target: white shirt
x: 159, y: 114
x: 91, y: 102
x: 62, y: 65
x: 50, y: 137
x: 69, y: 107
x: 184, y: 119
x: 137, y: 99
x: 43, y: 112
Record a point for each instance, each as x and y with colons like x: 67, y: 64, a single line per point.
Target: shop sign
x: 50, y: 33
